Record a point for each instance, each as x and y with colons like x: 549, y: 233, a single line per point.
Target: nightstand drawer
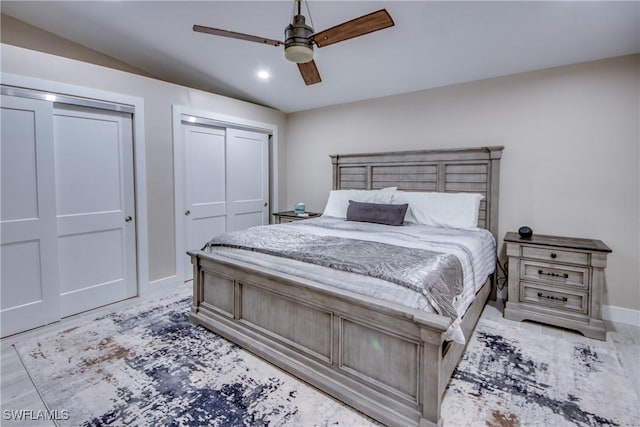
x: 577, y: 302
x: 554, y: 274
x: 284, y: 220
x: 550, y: 254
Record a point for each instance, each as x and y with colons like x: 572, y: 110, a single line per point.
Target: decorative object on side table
x: 525, y: 232
x: 290, y: 216
x: 557, y: 280
x: 299, y: 208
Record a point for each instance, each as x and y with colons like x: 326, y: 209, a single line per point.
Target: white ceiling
x: 432, y: 44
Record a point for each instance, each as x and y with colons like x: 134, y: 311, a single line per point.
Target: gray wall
x: 158, y: 97
x: 570, y: 164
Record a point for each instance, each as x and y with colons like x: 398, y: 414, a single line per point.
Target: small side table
x: 557, y: 280
x: 290, y: 216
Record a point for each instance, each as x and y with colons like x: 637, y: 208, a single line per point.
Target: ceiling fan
x: 300, y: 38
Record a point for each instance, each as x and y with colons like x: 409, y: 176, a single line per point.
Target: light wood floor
x: 18, y: 393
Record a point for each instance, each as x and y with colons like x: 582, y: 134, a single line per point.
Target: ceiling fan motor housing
x: 298, y: 44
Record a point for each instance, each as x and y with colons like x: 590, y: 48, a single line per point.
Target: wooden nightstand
x: 290, y: 216
x: 557, y: 280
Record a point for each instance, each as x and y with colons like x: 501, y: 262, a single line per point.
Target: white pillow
x: 451, y: 210
x: 338, y: 201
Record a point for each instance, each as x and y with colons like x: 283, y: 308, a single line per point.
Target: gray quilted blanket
x: 436, y: 275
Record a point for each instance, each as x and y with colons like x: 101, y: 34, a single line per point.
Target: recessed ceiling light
x: 262, y: 74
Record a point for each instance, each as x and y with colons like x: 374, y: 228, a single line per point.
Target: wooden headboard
x: 471, y: 170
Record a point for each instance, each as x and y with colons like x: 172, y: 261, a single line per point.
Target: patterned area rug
x: 509, y: 376
x: 148, y: 366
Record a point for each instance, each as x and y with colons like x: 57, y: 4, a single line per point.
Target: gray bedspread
x: 436, y: 275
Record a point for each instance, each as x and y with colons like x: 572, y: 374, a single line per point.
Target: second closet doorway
x: 224, y: 175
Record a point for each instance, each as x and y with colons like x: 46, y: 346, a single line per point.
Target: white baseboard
x: 621, y: 315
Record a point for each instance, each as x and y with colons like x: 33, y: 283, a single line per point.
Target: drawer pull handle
x: 563, y: 275
x: 563, y: 299
x: 554, y: 255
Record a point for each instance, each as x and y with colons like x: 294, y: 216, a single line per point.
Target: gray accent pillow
x: 379, y: 213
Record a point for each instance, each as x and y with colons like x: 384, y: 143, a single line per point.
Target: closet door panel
x: 28, y: 230
x: 29, y: 279
x: 19, y: 176
x: 88, y: 164
x: 79, y: 265
x: 95, y: 207
x: 205, y: 180
x: 247, y: 179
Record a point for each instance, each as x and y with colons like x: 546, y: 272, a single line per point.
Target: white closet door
x: 247, y: 179
x: 95, y: 207
x: 28, y: 228
x: 205, y: 204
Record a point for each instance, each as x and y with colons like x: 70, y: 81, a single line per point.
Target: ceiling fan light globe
x: 299, y: 54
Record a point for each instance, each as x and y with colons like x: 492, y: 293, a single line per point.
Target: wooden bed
x: 388, y: 361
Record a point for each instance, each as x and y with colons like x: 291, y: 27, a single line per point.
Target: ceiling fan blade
x: 235, y: 35
x: 355, y: 28
x: 309, y: 72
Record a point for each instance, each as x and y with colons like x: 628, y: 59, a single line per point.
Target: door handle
x: 187, y: 212
x: 128, y: 218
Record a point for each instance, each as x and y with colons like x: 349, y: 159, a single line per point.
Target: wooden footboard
x: 380, y: 358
